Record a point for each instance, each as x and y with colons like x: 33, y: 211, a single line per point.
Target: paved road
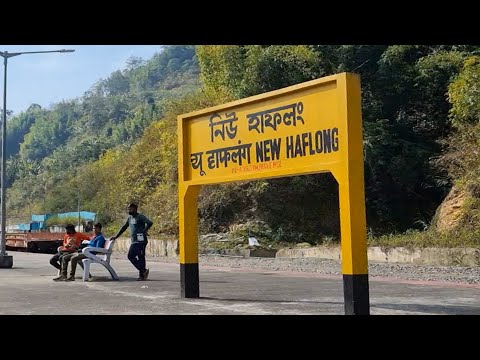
x: 28, y: 288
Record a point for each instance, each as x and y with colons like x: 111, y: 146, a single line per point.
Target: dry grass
x: 429, y: 238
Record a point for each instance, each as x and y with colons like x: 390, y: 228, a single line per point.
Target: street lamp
x: 5, y: 260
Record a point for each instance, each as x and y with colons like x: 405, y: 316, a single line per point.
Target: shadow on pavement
x: 271, y: 301
x: 429, y: 309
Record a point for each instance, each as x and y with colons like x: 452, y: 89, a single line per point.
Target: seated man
x: 71, y: 243
x: 97, y: 241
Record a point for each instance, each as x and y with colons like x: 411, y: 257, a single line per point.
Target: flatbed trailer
x: 38, y: 242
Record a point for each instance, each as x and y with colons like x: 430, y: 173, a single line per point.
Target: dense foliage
x: 117, y: 143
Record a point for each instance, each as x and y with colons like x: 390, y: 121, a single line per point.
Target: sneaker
x: 70, y: 278
x: 141, y: 278
x: 60, y: 278
x: 145, y: 274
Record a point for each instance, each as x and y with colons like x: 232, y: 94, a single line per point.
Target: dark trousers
x: 78, y: 257
x: 136, y: 255
x: 65, y: 260
x: 56, y: 260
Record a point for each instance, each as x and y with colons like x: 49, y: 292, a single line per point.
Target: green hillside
x: 117, y: 143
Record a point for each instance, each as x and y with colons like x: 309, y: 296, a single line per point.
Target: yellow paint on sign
x: 303, y: 129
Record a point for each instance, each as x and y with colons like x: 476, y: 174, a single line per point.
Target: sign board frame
x: 312, y: 127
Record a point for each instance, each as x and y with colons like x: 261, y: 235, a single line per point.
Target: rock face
x: 451, y: 212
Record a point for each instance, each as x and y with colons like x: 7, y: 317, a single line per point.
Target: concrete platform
x: 27, y: 288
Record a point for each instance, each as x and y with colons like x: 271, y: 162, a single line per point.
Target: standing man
x: 139, y: 225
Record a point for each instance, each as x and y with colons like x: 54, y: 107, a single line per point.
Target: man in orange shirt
x: 71, y: 243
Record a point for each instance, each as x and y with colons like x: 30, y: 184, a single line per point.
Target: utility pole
x: 6, y: 261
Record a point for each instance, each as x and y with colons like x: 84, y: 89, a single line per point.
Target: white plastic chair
x: 102, y: 257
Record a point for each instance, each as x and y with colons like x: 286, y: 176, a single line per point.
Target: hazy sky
x: 46, y: 79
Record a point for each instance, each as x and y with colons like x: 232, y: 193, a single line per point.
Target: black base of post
x: 356, y: 294
x: 189, y: 281
x: 6, y: 262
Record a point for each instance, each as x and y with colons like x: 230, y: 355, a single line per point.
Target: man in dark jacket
x: 139, y: 225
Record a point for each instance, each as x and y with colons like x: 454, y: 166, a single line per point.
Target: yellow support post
x: 303, y: 129
x: 352, y: 202
x: 188, y: 241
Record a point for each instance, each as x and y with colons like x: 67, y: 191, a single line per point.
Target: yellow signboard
x: 303, y: 129
x: 291, y: 132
